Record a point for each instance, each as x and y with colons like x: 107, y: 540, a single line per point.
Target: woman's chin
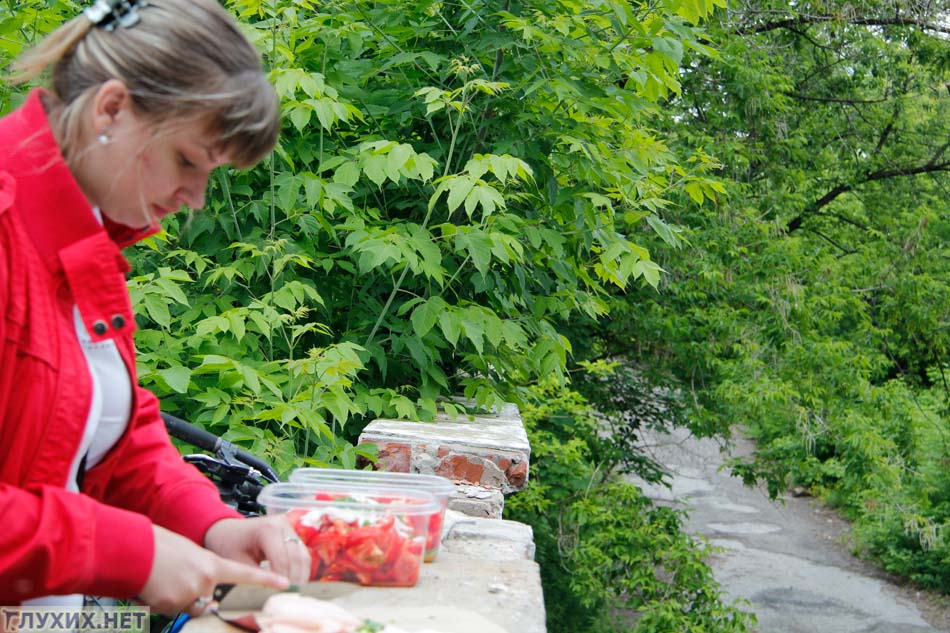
x: 137, y: 219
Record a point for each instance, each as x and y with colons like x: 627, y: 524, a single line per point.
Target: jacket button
x: 100, y: 327
x: 118, y: 321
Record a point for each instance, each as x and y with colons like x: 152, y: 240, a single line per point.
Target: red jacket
x: 54, y: 255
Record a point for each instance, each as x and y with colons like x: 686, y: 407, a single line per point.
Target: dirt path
x: 790, y: 561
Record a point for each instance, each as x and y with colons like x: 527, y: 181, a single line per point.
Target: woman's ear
x: 111, y: 103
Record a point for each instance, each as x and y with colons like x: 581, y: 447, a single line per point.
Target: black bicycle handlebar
x: 188, y: 432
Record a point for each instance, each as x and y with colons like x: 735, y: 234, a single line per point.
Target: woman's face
x: 142, y: 173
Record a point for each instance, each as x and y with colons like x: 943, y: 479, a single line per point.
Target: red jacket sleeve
x: 146, y: 474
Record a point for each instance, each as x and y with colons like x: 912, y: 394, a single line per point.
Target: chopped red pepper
x: 382, y: 553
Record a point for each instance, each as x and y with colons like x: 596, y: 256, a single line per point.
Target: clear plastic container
x: 355, y: 533
x: 440, y: 487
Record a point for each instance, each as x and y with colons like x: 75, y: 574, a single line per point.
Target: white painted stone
x: 491, y: 420
x: 504, y: 438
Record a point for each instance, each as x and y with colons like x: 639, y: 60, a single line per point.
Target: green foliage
x: 453, y: 182
x: 610, y: 559
x: 810, y: 303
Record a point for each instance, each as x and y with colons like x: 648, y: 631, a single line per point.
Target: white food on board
x: 294, y: 613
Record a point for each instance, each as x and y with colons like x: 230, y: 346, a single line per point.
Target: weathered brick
x: 518, y: 474
x: 394, y: 457
x: 460, y: 468
x: 489, y: 450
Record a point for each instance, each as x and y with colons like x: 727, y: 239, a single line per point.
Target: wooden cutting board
x: 442, y: 619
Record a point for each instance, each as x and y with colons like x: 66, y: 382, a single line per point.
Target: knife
x: 245, y: 622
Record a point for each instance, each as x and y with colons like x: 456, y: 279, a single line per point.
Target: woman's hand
x: 183, y: 572
x: 262, y: 538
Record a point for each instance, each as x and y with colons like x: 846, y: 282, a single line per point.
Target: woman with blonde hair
x: 145, y: 99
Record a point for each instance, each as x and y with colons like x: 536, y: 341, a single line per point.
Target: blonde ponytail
x: 50, y: 51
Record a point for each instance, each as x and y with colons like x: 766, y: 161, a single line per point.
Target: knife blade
x: 246, y: 622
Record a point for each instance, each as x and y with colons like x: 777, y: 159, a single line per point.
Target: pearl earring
x: 103, y: 139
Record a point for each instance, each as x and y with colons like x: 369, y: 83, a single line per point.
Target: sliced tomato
x: 405, y: 571
x: 368, y: 555
x: 375, y: 554
x: 434, y: 532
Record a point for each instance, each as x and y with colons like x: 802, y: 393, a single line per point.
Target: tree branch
x: 804, y: 97
x: 844, y: 249
x: 845, y: 219
x: 930, y: 167
x: 803, y: 20
x: 886, y: 132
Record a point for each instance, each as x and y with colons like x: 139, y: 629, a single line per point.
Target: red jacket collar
x: 54, y: 209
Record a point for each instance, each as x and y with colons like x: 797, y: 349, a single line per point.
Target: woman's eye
x: 184, y: 160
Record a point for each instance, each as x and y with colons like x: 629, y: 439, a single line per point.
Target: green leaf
x: 426, y: 314
x: 326, y: 113
x: 313, y: 190
x: 474, y: 330
x: 157, y: 309
x: 375, y: 168
x: 404, y: 407
x: 459, y: 187
x: 337, y: 403
x: 312, y: 84
x: 650, y: 271
x: 347, y: 174
x: 178, y: 378
x: 451, y: 325
x: 300, y: 116
x: 478, y: 245
x: 236, y: 322
x: 671, y: 48
x: 396, y: 160
x: 665, y: 231
x: 695, y: 191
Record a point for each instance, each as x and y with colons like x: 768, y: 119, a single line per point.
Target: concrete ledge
x: 497, y: 540
x: 483, y: 581
x: 477, y: 501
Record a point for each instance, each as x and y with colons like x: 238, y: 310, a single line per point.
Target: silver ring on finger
x: 201, y: 602
x: 293, y: 538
